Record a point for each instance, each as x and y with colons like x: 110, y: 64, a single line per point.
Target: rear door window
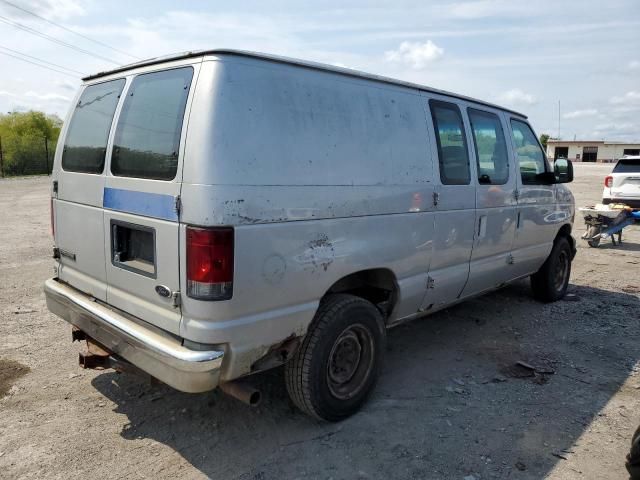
x: 86, y: 142
x: 627, y: 166
x: 452, y: 144
x: 491, y: 147
x: 531, y: 158
x: 147, y: 137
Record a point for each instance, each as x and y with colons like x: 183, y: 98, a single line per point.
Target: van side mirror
x: 563, y: 170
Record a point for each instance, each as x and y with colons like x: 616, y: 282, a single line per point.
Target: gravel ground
x: 450, y: 404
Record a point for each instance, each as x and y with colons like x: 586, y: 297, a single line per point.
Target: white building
x: 590, y: 151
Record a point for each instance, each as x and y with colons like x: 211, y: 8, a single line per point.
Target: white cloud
x: 515, y: 96
x: 634, y: 65
x: 490, y: 8
x: 616, y: 131
x: 587, y: 112
x: 67, y: 85
x: 415, y: 54
x: 50, y: 9
x: 55, y: 97
x: 32, y: 100
x: 630, y: 97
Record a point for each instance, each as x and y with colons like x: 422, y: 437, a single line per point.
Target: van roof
x: 293, y: 61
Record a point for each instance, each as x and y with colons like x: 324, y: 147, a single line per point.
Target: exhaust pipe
x: 243, y: 392
x: 94, y: 362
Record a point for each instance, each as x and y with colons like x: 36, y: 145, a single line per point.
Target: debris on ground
x: 542, y: 369
x: 571, y: 297
x: 21, y: 310
x: 10, y: 371
x: 631, y: 289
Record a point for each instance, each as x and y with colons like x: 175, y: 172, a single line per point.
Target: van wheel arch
x: 378, y: 286
x: 565, y: 232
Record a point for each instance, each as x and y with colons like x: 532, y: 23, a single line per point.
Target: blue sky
x: 523, y: 54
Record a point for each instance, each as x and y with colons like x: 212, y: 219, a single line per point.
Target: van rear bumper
x: 161, y: 356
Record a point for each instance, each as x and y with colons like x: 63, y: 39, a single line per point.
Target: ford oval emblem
x: 163, y: 291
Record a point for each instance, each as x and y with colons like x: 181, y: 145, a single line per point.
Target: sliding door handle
x: 482, y: 226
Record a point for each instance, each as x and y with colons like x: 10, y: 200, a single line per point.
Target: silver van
x: 220, y: 213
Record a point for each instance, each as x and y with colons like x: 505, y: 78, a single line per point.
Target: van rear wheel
x: 336, y: 367
x: 551, y: 281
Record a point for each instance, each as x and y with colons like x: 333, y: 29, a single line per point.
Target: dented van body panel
x: 330, y: 180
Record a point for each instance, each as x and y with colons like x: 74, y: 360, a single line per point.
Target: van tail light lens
x: 51, y: 214
x: 210, y: 263
x: 608, y: 181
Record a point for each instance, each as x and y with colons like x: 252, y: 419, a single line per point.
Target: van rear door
x: 141, y: 198
x: 78, y: 185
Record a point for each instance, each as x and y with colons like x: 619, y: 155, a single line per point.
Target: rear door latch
x: 175, y: 297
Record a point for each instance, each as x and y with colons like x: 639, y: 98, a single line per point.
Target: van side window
x: 147, y: 137
x: 530, y: 156
x: 453, y: 155
x: 491, y: 147
x: 86, y: 142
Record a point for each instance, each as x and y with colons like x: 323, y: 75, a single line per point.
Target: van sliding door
x: 454, y: 209
x: 492, y: 262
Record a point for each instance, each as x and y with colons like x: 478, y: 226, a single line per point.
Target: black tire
x: 551, y: 281
x: 346, y: 330
x: 633, y: 458
x: 594, y: 240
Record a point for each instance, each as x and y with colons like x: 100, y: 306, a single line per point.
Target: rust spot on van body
x: 321, y: 252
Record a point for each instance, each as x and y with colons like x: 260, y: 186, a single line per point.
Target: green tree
x: 28, y: 142
x: 543, y: 140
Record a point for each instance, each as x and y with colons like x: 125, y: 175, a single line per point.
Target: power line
x: 69, y: 30
x: 53, y: 39
x: 38, y: 64
x: 41, y: 60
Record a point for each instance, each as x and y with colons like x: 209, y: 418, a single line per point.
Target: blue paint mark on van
x: 154, y: 205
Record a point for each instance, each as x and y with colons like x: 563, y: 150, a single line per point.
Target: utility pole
x: 1, y: 160
x: 46, y: 152
x: 558, y: 119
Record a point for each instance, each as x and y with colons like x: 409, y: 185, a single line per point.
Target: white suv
x: 623, y: 184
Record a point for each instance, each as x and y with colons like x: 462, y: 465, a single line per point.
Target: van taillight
x: 608, y: 181
x: 210, y: 263
x: 53, y: 223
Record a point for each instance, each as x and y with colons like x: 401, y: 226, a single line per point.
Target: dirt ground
x: 450, y: 404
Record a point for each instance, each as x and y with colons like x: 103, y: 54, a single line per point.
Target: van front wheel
x: 551, y: 281
x: 337, y: 365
